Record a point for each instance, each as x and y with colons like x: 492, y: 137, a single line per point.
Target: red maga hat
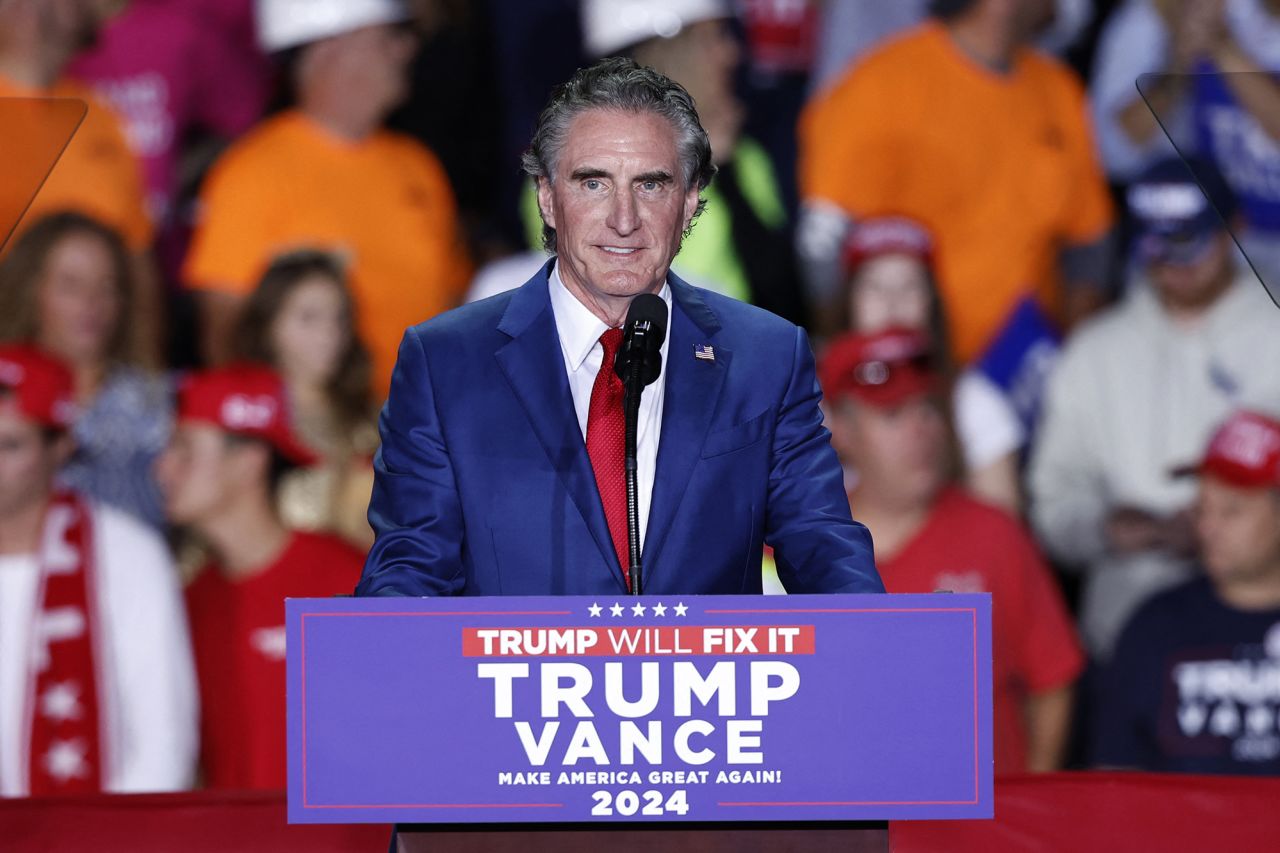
x: 882, y: 368
x: 1244, y: 451
x: 887, y: 235
x: 41, y: 385
x: 244, y: 399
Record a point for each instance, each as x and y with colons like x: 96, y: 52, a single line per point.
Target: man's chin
x: 622, y: 284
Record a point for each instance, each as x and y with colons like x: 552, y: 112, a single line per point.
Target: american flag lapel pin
x: 706, y: 352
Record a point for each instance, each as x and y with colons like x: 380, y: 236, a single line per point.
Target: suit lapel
x: 534, y: 367
x: 692, y: 392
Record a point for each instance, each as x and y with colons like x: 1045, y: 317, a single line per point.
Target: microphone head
x: 649, y: 307
x: 639, y: 359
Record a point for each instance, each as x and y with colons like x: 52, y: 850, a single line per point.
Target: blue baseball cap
x: 1175, y: 207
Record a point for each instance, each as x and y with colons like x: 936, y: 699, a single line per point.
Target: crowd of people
x: 1048, y: 366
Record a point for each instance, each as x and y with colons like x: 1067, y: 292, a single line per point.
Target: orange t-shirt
x: 97, y: 174
x: 383, y: 203
x: 1001, y: 167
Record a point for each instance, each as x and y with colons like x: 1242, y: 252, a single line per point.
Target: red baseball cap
x: 41, y: 385
x: 882, y: 368
x: 887, y: 235
x: 1244, y: 451
x: 244, y: 399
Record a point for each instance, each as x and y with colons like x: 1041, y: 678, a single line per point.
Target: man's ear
x: 544, y: 201
x: 690, y: 206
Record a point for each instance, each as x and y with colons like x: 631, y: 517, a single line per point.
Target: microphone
x: 639, y: 359
x: 638, y: 363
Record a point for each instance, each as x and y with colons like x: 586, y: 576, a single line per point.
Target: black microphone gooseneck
x: 638, y: 363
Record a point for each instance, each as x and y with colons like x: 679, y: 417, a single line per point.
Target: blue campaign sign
x: 703, y: 708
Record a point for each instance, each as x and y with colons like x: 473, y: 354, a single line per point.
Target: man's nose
x: 624, y: 215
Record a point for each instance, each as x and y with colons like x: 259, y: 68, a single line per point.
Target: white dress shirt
x: 580, y: 332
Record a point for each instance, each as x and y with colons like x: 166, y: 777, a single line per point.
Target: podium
x: 703, y: 722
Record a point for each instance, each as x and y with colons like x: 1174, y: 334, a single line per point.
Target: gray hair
x: 623, y: 85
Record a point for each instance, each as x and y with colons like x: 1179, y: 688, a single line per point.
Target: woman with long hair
x: 67, y: 287
x: 890, y: 284
x: 300, y: 321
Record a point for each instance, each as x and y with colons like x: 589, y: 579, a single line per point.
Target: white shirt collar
x: 579, y: 329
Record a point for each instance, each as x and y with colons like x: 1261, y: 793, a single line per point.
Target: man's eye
x: 649, y: 186
x: 591, y: 184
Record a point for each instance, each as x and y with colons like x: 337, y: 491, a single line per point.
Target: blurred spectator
x: 1193, y: 684
x: 537, y: 45
x: 325, y: 175
x: 237, y: 26
x: 300, y: 321
x: 67, y: 286
x: 781, y: 42
x: 742, y: 246
x: 1236, y: 110
x: 959, y: 124
x: 1172, y: 39
x: 183, y: 89
x: 850, y: 28
x: 453, y: 72
x: 1159, y: 37
x: 104, y: 699
x: 888, y: 416
x: 890, y: 283
x: 233, y: 441
x: 97, y: 174
x: 1140, y: 389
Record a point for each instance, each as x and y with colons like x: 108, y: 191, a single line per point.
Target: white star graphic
x: 680, y: 609
x: 61, y: 701
x: 594, y: 609
x: 638, y: 609
x: 616, y: 609
x: 65, y: 759
x: 659, y: 610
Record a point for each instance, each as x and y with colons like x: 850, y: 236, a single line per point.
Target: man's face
x: 618, y: 203
x: 1197, y: 283
x: 197, y: 473
x: 1238, y: 530
x: 898, y: 451
x: 367, y: 67
x: 28, y: 460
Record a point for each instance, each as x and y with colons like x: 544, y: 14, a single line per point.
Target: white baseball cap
x: 283, y: 24
x: 608, y: 26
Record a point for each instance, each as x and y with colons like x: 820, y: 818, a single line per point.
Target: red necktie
x: 606, y: 445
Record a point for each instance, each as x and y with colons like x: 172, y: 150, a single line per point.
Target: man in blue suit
x: 501, y: 446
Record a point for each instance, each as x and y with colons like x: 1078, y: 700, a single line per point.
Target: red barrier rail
x: 1112, y: 811
x: 1064, y: 811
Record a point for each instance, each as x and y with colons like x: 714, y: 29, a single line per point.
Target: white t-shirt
x: 149, y: 706
x: 986, y: 424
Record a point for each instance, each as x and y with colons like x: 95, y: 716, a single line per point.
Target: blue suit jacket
x: 483, y: 485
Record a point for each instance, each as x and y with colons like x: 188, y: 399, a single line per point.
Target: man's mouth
x: 620, y: 250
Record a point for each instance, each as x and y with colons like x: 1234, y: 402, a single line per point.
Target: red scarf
x: 62, y: 708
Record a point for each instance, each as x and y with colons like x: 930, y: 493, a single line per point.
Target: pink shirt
x: 167, y: 70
